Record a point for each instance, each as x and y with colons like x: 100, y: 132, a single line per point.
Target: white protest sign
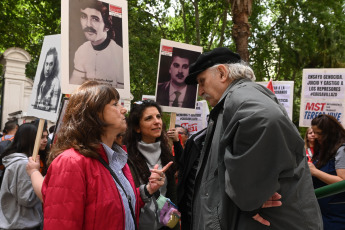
x: 194, y: 122
x: 46, y: 92
x: 322, y: 93
x: 284, y: 93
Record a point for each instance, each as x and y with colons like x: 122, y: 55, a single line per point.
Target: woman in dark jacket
x: 328, y: 167
x: 147, y: 146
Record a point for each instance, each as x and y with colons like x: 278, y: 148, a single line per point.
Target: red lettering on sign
x: 190, y: 127
x: 167, y: 49
x: 315, y: 106
x: 115, y: 9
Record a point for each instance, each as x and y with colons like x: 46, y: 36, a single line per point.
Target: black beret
x: 219, y: 55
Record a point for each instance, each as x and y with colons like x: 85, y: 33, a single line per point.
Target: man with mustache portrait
x: 176, y: 92
x: 100, y: 58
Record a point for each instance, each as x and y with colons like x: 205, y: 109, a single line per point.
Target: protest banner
x: 284, y: 93
x: 46, y: 91
x: 322, y: 93
x: 95, y: 51
x: 194, y: 122
x: 172, y: 93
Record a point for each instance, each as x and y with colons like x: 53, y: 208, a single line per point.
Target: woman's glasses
x: 143, y: 102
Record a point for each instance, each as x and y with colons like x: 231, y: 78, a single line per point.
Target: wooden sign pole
x: 172, y: 120
x: 38, y: 139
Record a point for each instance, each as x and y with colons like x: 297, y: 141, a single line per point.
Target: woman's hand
x: 173, y: 135
x: 33, y: 166
x: 325, y: 177
x: 312, y: 168
x: 157, y: 178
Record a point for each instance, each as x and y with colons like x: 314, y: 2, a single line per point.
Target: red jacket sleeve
x: 64, y: 194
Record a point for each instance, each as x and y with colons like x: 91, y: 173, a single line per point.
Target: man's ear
x: 224, y: 72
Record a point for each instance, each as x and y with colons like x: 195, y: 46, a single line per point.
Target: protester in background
x: 309, y: 141
x: 9, y: 131
x: 20, y: 207
x: 44, y: 152
x: 39, y: 165
x: 147, y: 145
x: 51, y: 132
x: 328, y: 167
x: 179, y: 134
x: 78, y: 190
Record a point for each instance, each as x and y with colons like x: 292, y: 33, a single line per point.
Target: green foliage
x: 24, y: 23
x: 293, y: 35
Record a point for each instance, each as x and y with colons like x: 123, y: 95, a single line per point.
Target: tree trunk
x: 241, y: 10
x: 184, y: 21
x: 197, y: 21
x: 225, y: 15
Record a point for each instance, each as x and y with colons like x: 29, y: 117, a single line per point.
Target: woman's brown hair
x: 82, y: 127
x: 333, y: 136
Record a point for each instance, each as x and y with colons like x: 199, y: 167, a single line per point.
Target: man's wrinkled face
x: 93, y: 25
x: 210, y: 86
x: 49, y: 65
x: 179, y: 70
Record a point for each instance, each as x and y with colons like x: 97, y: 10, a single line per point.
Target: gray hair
x: 239, y: 70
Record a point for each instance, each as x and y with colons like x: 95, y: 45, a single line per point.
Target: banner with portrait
x: 46, y: 91
x: 322, y: 93
x: 173, y: 68
x: 95, y: 44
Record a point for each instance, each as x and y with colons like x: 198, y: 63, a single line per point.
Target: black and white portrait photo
x: 48, y: 89
x: 172, y: 92
x: 46, y: 92
x: 97, y: 47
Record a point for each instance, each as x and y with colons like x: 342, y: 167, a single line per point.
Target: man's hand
x: 273, y: 201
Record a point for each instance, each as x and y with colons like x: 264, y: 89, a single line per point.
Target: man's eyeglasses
x: 182, y: 133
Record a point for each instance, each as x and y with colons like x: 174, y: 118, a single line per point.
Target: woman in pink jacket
x: 88, y: 185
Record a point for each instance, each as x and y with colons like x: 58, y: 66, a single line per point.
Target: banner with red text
x: 322, y: 93
x: 194, y: 122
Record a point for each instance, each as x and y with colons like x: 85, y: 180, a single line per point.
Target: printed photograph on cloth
x: 97, y: 49
x: 46, y: 92
x: 172, y: 93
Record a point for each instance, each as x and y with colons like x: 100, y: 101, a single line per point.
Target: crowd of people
x: 247, y: 170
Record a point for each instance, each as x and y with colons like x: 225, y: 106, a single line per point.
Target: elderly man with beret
x: 250, y: 151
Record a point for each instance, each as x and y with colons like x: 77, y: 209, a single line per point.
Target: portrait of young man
x: 171, y: 89
x: 96, y: 51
